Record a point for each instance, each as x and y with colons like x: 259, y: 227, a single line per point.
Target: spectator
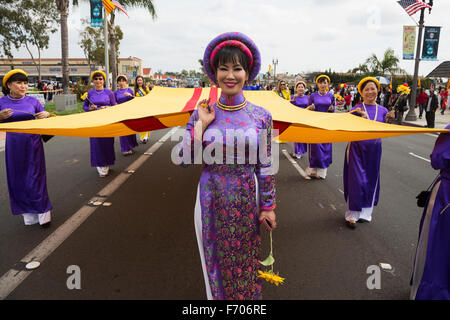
x: 421, y: 101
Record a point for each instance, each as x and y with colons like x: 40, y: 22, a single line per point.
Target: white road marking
x: 341, y: 191
x: 295, y: 164
x: 321, y: 205
x: 333, y: 207
x: 13, y: 278
x: 415, y: 155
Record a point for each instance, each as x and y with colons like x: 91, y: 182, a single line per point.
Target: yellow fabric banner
x: 170, y: 107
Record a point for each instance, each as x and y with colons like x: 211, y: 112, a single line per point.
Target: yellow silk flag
x: 109, y: 6
x: 171, y: 107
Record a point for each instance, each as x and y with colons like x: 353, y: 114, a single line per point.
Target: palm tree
x: 63, y: 8
x: 389, y: 64
x: 145, y: 4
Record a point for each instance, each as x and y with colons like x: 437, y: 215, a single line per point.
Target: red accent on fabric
x: 192, y: 103
x: 213, y: 94
x: 144, y: 124
x: 281, y: 126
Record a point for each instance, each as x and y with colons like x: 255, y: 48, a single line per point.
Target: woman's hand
x: 269, y: 216
x: 206, y: 113
x: 330, y: 108
x: 42, y: 115
x: 390, y: 115
x: 128, y: 94
x: 5, y: 114
x: 92, y: 107
x: 312, y: 107
x: 361, y: 113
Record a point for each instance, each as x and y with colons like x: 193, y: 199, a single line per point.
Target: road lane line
x: 12, y: 278
x: 296, y: 165
x: 415, y: 155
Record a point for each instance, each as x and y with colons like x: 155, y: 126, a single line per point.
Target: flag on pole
x: 412, y: 6
x: 119, y: 6
x: 109, y: 6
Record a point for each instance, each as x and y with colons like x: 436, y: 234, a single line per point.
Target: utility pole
x: 411, y: 116
x: 105, y: 29
x: 275, y: 62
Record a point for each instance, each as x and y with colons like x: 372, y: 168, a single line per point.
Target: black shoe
x: 362, y: 221
x: 45, y: 225
x: 351, y: 225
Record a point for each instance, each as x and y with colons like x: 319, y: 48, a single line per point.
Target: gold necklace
x: 231, y: 108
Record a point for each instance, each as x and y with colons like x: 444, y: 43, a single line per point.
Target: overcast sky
x: 305, y: 35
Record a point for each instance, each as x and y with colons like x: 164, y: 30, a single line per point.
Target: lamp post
x: 275, y: 62
x: 411, y: 116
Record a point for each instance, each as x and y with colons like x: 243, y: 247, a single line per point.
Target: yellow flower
x: 403, y: 89
x: 338, y: 97
x: 271, y: 277
x: 84, y: 96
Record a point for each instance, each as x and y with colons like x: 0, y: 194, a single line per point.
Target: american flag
x: 412, y: 6
x: 119, y: 6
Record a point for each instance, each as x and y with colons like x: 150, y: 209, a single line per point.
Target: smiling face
x: 323, y: 85
x: 122, y: 83
x: 369, y: 93
x: 18, y: 88
x: 98, y: 81
x: 140, y: 81
x: 300, y: 89
x: 231, y: 77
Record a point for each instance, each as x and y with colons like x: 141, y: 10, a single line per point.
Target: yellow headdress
x: 361, y: 83
x: 11, y: 73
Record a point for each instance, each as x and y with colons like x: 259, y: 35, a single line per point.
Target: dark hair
x: 233, y: 55
x: 14, y: 77
x: 119, y: 78
x: 96, y: 74
x: 144, y: 85
x: 365, y: 84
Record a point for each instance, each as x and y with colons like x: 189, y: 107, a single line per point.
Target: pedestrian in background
x: 141, y: 90
x: 432, y: 105
x: 421, y: 101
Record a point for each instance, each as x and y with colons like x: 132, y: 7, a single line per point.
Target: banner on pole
x: 96, y: 13
x: 431, y: 43
x: 409, y: 42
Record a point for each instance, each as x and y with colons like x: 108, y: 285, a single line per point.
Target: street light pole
x: 105, y: 29
x: 411, y: 116
x: 275, y: 62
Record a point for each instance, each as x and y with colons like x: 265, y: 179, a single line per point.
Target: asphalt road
x: 143, y: 246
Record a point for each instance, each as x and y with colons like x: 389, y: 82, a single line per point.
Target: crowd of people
x: 234, y: 199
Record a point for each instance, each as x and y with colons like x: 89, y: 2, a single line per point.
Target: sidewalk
x: 440, y: 122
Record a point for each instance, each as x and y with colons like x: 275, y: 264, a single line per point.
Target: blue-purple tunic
x: 321, y: 154
x: 127, y: 143
x: 25, y: 160
x: 228, y: 198
x: 435, y: 280
x: 102, y: 149
x: 302, y: 102
x: 362, y: 166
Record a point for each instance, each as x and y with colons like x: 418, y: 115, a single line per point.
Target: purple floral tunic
x: 228, y: 197
x: 127, y: 143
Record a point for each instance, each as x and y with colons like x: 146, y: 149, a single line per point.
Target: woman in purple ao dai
x: 363, y: 158
x: 300, y: 100
x: 236, y: 191
x: 24, y: 153
x: 320, y: 154
x: 102, y: 149
x: 124, y: 94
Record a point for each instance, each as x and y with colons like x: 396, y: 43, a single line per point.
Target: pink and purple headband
x: 236, y: 39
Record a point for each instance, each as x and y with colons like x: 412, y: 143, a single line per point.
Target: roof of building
x: 441, y: 71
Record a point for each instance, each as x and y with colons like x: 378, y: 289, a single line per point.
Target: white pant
x: 319, y: 172
x: 103, y: 171
x: 33, y: 218
x: 365, y: 213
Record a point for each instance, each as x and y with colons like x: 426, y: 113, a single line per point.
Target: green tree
x: 389, y: 64
x: 113, y: 37
x: 26, y: 23
x: 63, y: 9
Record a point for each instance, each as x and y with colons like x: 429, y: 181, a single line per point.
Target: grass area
x: 50, y: 107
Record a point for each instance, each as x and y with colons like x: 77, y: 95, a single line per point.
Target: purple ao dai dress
x: 301, y: 102
x: 25, y: 160
x: 102, y: 149
x: 230, y: 197
x: 127, y: 143
x: 431, y: 273
x: 362, y: 170
x: 321, y: 154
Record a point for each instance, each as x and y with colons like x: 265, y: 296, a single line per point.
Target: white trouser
x: 103, y: 171
x: 322, y: 173
x: 33, y: 218
x: 365, y: 213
